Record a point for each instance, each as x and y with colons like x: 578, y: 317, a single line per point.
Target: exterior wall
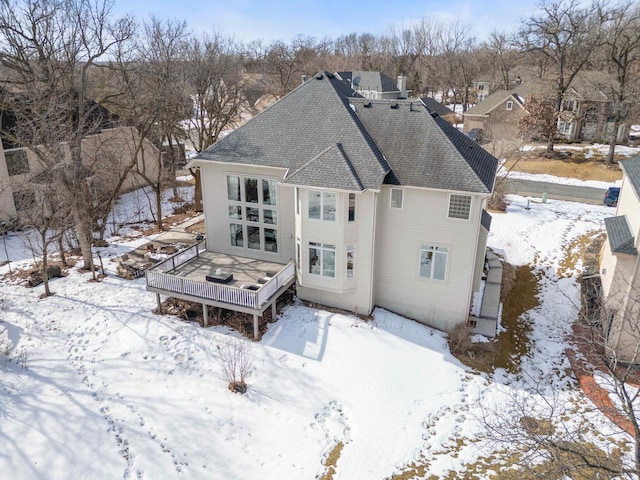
x: 481, y: 255
x: 498, y: 124
x: 353, y: 294
x: 214, y: 197
x: 115, y: 146
x: 620, y: 276
x: 400, y: 235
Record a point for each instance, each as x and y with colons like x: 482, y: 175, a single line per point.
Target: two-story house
x: 620, y: 269
x: 375, y: 85
x: 112, y: 146
x: 360, y: 202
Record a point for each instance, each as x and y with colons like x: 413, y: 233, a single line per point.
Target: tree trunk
x: 158, y: 191
x: 197, y: 195
x: 45, y: 263
x: 84, y: 238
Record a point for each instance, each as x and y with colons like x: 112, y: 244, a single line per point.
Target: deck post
x: 159, y: 311
x: 274, y: 310
x: 205, y: 314
x: 255, y: 326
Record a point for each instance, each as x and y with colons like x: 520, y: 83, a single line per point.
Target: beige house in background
x: 115, y: 146
x: 375, y: 85
x: 620, y: 269
x: 359, y: 202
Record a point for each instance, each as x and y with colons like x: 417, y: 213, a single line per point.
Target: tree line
x: 69, y: 68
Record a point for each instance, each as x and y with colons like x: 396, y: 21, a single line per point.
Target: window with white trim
x: 351, y: 255
x: 322, y: 259
x: 459, y: 206
x: 509, y: 105
x: 433, y: 262
x: 17, y: 162
x: 252, y: 213
x: 396, y: 198
x: 565, y: 128
x: 352, y: 208
x: 322, y: 205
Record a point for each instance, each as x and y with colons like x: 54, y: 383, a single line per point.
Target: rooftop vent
x: 395, y: 106
x: 319, y: 76
x: 367, y: 105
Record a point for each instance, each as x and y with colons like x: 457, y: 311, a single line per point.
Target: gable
x: 298, y: 128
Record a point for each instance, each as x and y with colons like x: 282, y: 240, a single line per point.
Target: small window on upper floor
x: 322, y: 205
x: 352, y: 207
x: 396, y: 198
x: 459, y: 206
x: 17, y: 162
x: 509, y: 105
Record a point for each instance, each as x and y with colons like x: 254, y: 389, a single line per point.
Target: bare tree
x: 621, y: 45
x: 216, y: 82
x: 236, y: 361
x: 566, y: 33
x: 50, y: 47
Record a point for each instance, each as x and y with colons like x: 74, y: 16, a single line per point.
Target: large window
x: 396, y: 198
x: 252, y: 213
x: 322, y: 259
x: 433, y: 262
x: 322, y: 205
x: 459, y: 206
x: 17, y: 162
x: 565, y: 128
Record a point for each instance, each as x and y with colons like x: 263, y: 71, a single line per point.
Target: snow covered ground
x: 94, y: 385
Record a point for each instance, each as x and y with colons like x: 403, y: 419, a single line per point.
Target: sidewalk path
x: 583, y: 367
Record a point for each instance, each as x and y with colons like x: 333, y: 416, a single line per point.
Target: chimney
x: 402, y: 85
x: 304, y: 78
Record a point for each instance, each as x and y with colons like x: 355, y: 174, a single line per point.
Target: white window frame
x: 350, y: 258
x: 261, y: 214
x: 457, y: 203
x: 322, y: 249
x: 351, y: 207
x: 324, y: 196
x: 427, y: 266
x: 510, y: 105
x: 392, y: 203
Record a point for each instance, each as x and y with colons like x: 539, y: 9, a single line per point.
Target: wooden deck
x: 255, y: 286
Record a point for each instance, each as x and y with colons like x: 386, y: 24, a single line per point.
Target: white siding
x: 214, y: 196
x: 350, y: 294
x: 400, y: 234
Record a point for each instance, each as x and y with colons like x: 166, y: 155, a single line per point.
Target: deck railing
x: 159, y: 278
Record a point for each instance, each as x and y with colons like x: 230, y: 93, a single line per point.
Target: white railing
x: 181, y: 258
x: 157, y: 278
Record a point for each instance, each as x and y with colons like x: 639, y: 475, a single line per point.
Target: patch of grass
x: 331, y: 462
x: 574, y: 167
x: 519, y: 294
x: 583, y: 251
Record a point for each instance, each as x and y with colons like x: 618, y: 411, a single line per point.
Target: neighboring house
x: 435, y: 107
x: 480, y: 90
x: 620, y: 269
x: 114, y: 145
x: 587, y: 110
x: 498, y: 115
x: 375, y: 85
x: 360, y: 202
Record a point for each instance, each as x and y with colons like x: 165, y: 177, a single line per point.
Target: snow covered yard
x: 96, y: 386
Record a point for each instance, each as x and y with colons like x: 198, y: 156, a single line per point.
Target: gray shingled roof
x: 364, y: 80
x: 426, y: 151
x: 500, y: 96
x: 333, y: 159
x: 326, y: 137
x: 631, y: 168
x: 620, y: 236
x: 298, y: 128
x: 436, y: 107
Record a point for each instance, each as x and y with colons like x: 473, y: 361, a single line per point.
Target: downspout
x: 373, y: 250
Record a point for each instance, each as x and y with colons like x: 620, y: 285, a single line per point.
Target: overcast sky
x: 270, y: 20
